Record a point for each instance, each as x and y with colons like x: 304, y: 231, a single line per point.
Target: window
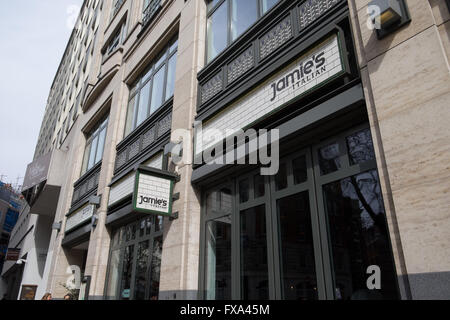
x: 94, y: 147
x: 303, y: 234
x: 135, y: 261
x: 115, y: 40
x: 235, y: 16
x: 153, y: 88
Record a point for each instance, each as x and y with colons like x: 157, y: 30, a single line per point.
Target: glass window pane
x: 86, y: 158
x: 243, y: 14
x: 159, y: 223
x: 147, y: 74
x: 130, y: 116
x: 330, y: 159
x: 101, y: 146
x: 149, y: 222
x: 218, y: 259
x: 156, y: 268
x: 297, y: 248
x: 299, y: 170
x: 125, y: 283
x: 268, y: 4
x: 244, y: 191
x: 144, y: 98
x: 281, y: 181
x: 173, y: 46
x: 158, y: 88
x: 360, y: 147
x: 92, y: 153
x: 254, y: 269
x: 217, y: 32
x: 143, y: 255
x: 161, y: 59
x: 259, y: 186
x: 359, y: 237
x: 113, y: 275
x: 225, y: 201
x: 212, y: 4
x: 171, y: 77
x: 142, y: 226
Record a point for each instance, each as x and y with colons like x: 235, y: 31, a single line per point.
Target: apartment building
x: 357, y: 207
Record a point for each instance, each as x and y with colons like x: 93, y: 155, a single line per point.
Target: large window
x: 135, y: 261
x: 95, y: 145
x: 228, y: 19
x: 153, y: 88
x: 310, y: 232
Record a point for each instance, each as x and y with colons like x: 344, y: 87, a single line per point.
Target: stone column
x: 179, y: 267
x: 407, y: 85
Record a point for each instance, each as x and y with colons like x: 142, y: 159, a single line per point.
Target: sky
x: 34, y: 36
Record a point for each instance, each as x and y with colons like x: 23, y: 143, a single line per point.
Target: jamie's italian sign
x: 153, y: 191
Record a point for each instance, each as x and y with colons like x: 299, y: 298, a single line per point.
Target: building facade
x: 262, y: 149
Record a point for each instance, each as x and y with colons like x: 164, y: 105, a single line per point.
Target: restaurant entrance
x: 313, y: 231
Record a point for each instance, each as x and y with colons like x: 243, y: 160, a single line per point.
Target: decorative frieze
x: 276, y: 37
x: 148, y: 137
x: 311, y: 10
x: 240, y: 65
x: 212, y: 87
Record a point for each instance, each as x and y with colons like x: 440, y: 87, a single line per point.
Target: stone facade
x: 406, y: 83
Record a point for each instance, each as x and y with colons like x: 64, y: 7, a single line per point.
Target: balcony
x: 86, y: 186
x: 43, y: 181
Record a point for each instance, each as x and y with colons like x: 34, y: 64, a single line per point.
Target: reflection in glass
x: 130, y: 116
x: 157, y: 91
x: 296, y: 248
x: 113, y: 275
x: 218, y: 259
x: 359, y: 237
x: 217, y: 32
x: 101, y: 146
x: 243, y: 14
x: 267, y: 5
x: 143, y: 104
x: 125, y: 283
x: 244, y: 190
x: 254, y: 268
x: 360, y: 147
x: 299, y: 170
x: 156, y: 268
x: 143, y: 254
x: 225, y: 201
x: 170, y: 86
x: 329, y: 158
x: 259, y: 186
x: 281, y: 181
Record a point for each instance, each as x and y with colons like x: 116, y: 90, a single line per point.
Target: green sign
x: 153, y: 191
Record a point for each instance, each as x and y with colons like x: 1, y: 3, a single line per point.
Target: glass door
x: 356, y: 239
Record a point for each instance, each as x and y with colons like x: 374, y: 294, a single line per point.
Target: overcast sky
x: 34, y: 35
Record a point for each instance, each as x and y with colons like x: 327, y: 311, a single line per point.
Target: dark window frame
x: 315, y: 183
x: 148, y: 75
x: 210, y: 12
x: 96, y: 132
x: 123, y: 243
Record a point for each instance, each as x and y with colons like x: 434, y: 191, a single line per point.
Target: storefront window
x: 310, y: 232
x: 218, y: 255
x: 228, y: 19
x: 254, y: 272
x: 135, y: 261
x: 153, y: 88
x: 359, y: 236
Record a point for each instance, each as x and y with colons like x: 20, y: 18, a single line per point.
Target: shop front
x: 317, y: 229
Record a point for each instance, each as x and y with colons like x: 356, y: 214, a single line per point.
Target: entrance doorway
x: 313, y: 231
